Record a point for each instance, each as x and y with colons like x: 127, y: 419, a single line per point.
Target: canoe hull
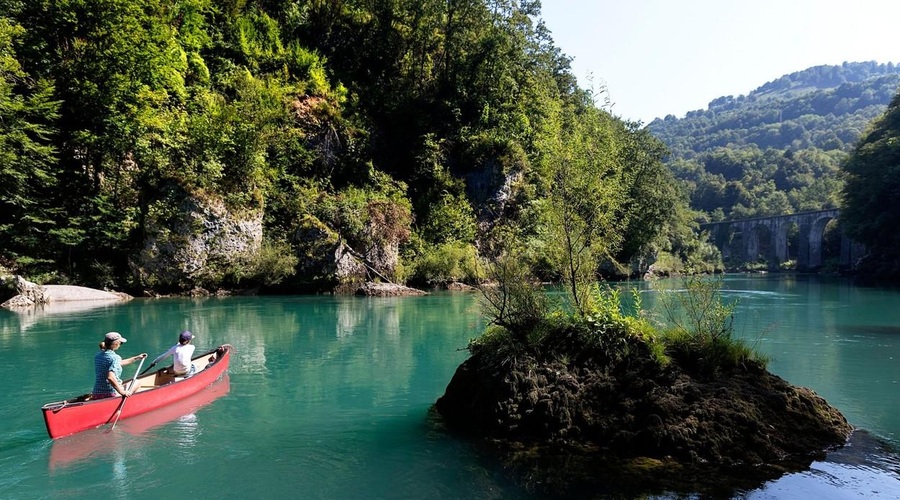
x: 68, y: 417
x: 87, y: 445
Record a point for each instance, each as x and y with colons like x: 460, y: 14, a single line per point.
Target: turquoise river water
x: 330, y: 397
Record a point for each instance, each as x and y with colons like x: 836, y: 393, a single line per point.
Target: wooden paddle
x: 124, y: 397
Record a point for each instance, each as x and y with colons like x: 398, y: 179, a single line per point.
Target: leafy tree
x: 27, y: 156
x: 870, y: 213
x: 585, y: 196
x: 117, y: 69
x: 451, y: 219
x: 651, y: 193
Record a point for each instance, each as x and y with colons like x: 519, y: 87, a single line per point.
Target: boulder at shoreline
x: 71, y: 293
x: 373, y: 289
x: 31, y: 294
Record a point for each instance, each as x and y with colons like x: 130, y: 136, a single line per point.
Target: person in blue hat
x: 182, y: 352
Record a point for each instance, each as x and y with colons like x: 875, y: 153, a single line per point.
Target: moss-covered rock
x: 598, y: 411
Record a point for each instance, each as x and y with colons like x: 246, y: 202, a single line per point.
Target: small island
x: 578, y: 402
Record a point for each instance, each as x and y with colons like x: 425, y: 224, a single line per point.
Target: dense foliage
x: 412, y: 129
x: 28, y: 174
x: 779, y: 148
x: 871, y: 214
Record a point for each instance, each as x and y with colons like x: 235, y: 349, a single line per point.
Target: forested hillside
x: 871, y: 214
x: 779, y: 148
x: 156, y: 146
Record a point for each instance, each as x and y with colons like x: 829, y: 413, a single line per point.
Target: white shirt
x: 182, y: 354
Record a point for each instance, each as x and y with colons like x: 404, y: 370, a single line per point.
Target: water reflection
x: 27, y: 317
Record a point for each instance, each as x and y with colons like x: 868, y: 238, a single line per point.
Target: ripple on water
x: 865, y: 468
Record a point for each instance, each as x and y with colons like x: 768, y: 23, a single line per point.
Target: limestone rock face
x: 346, y: 266
x: 196, y: 242
x: 384, y: 257
x: 30, y: 293
x: 325, y: 259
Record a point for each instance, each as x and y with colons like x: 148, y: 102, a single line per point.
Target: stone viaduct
x: 750, y: 240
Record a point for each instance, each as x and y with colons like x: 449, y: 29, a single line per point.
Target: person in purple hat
x: 182, y: 352
x: 108, y: 367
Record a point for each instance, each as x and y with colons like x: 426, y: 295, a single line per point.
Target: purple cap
x: 185, y: 336
x: 113, y: 336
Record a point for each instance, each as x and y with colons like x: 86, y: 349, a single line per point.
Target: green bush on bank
x: 445, y: 263
x: 274, y: 262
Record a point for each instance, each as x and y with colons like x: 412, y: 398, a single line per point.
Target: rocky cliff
x: 192, y: 242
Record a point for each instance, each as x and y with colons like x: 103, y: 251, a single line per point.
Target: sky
x: 661, y: 57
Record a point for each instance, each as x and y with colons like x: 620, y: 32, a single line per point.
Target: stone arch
x: 787, y: 235
x: 793, y: 236
x: 760, y: 243
x: 732, y: 243
x: 817, y: 240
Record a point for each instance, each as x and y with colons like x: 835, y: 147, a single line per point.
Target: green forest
x: 155, y: 147
x: 780, y: 148
x: 164, y: 146
x: 796, y: 144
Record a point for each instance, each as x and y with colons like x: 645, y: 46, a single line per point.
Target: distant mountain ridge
x: 826, y: 107
x: 824, y: 76
x: 779, y: 148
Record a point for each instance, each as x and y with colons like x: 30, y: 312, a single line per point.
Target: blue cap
x: 185, y: 335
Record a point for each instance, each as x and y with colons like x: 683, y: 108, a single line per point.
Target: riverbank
x: 24, y: 294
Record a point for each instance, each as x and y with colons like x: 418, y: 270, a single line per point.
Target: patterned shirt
x: 106, y: 361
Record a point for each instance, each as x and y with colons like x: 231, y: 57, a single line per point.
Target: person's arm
x: 128, y: 361
x: 164, y: 355
x: 117, y: 385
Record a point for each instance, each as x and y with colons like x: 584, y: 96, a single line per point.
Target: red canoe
x: 79, y: 448
x: 154, y: 390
